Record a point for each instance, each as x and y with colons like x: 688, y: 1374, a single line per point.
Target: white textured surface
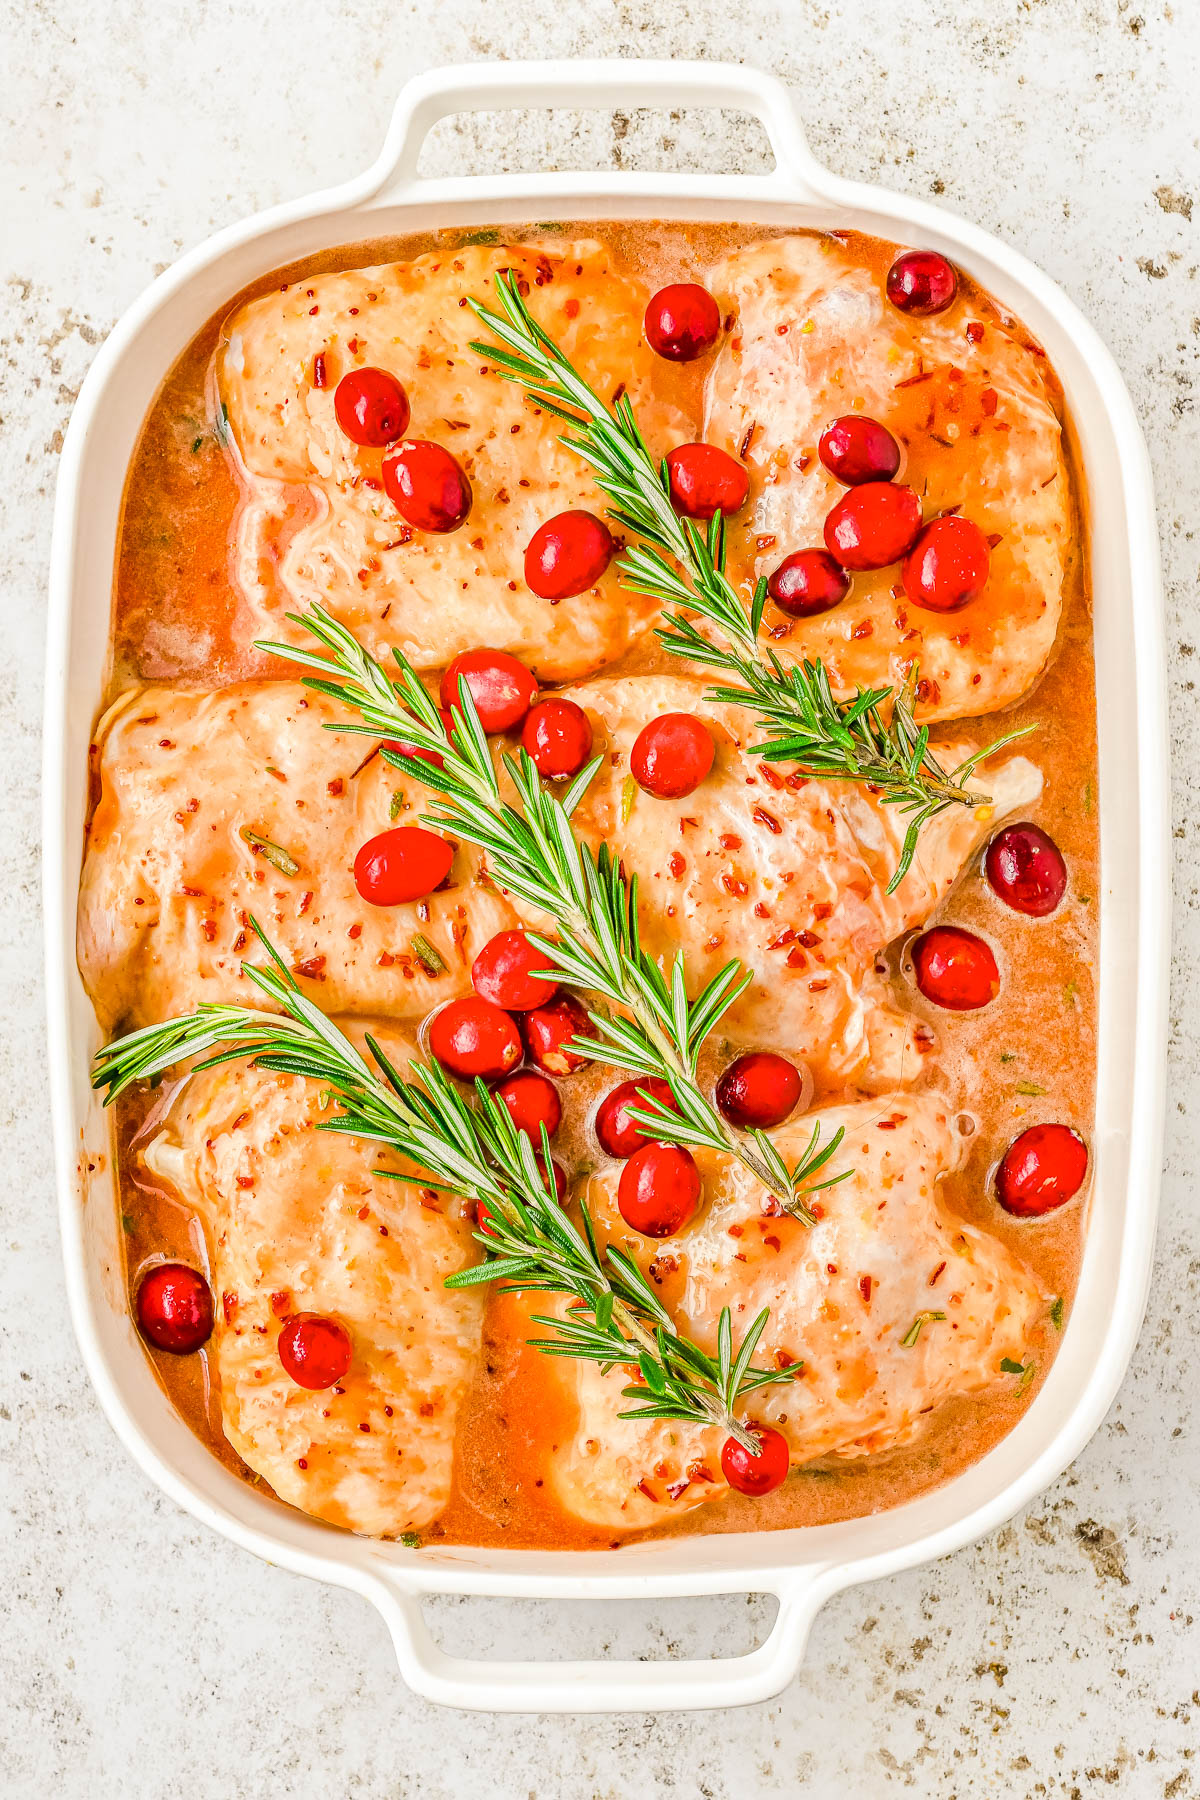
x: 140, y: 1655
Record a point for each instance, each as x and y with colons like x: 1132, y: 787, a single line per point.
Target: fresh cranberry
x: 618, y: 1134
x: 426, y: 485
x: 921, y: 282
x: 548, y: 1030
x: 873, y: 525
x: 472, y: 1037
x: 567, y: 555
x: 682, y: 321
x: 314, y: 1351
x: 503, y: 973
x: 558, y: 1175
x: 530, y: 1102
x: 557, y: 736
x: 948, y: 564
x: 756, y: 1475
x: 1041, y: 1170
x: 857, y: 449
x: 371, y: 407
x: 808, y: 582
x: 759, y: 1090
x: 672, y: 755
x: 174, y: 1308
x: 502, y: 688
x: 659, y: 1190
x: 1026, y: 869
x: 406, y: 863
x: 955, y: 969
x: 705, y: 480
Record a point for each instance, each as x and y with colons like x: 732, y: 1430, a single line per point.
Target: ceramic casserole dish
x: 801, y: 1567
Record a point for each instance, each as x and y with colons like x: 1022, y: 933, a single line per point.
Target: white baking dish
x: 801, y: 1567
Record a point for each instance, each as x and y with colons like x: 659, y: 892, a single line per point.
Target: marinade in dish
x: 247, y: 501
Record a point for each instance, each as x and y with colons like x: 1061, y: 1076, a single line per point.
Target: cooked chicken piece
x: 432, y: 595
x: 786, y: 874
x: 843, y: 1295
x: 301, y: 1221
x: 975, y: 412
x: 170, y: 883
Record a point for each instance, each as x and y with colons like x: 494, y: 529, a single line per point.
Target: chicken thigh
x: 969, y: 398
x: 788, y: 875
x: 170, y: 881
x: 844, y: 1297
x: 299, y: 1220
x: 433, y: 595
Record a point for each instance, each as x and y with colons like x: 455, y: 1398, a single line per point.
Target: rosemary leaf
x: 914, y: 1331
x: 275, y: 854
x: 425, y: 953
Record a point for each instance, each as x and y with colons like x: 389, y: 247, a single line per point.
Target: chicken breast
x: 303, y: 1221
x: 844, y: 1296
x: 971, y: 402
x: 170, y: 881
x: 433, y: 595
x: 788, y: 875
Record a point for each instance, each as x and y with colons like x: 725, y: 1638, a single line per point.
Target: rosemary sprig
x: 472, y: 1148
x: 532, y: 852
x: 682, y: 564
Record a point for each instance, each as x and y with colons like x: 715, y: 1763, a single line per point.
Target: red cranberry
x: 557, y: 736
x: 756, y: 1475
x: 406, y: 863
x: 955, y: 969
x: 659, y: 1190
x: 1041, y: 1170
x: 567, y: 555
x: 857, y: 449
x: 705, y: 480
x: 618, y: 1134
x: 759, y: 1090
x: 174, y: 1308
x: 371, y: 407
x: 503, y: 973
x: 672, y: 755
x: 1026, y: 869
x: 682, y: 321
x: 558, y: 1176
x: 947, y: 566
x: 921, y: 282
x: 502, y: 688
x: 808, y: 582
x: 873, y: 525
x: 472, y: 1037
x: 530, y: 1102
x: 548, y: 1030
x: 314, y: 1351
x: 426, y: 486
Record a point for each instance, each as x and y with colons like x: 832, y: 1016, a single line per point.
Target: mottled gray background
x: 141, y: 1656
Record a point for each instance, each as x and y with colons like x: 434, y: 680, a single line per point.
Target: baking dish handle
x: 584, y: 85
x: 601, y: 1687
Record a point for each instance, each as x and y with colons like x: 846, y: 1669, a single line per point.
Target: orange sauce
x: 1028, y: 1057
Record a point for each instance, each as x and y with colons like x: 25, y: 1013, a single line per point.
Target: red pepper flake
x: 822, y: 910
x: 796, y: 959
x: 989, y: 400
x: 804, y: 461
x: 766, y: 540
x: 771, y: 1242
x: 748, y: 438
x: 305, y: 902
x: 686, y: 822
x: 209, y: 929
x: 313, y: 969
x: 994, y: 538
x: 302, y: 1462
x: 863, y: 629
x: 229, y: 1306
x: 936, y: 1276
x: 914, y: 380
x: 974, y: 332
x: 281, y: 1302
x: 729, y: 840
x: 785, y: 937
x: 761, y: 816
x: 865, y: 1284
x: 732, y: 885
x: 761, y: 911
x: 809, y: 939
x: 648, y: 1491
x: 676, y: 864
x: 319, y: 376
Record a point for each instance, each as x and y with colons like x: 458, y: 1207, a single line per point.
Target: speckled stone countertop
x: 139, y: 1654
